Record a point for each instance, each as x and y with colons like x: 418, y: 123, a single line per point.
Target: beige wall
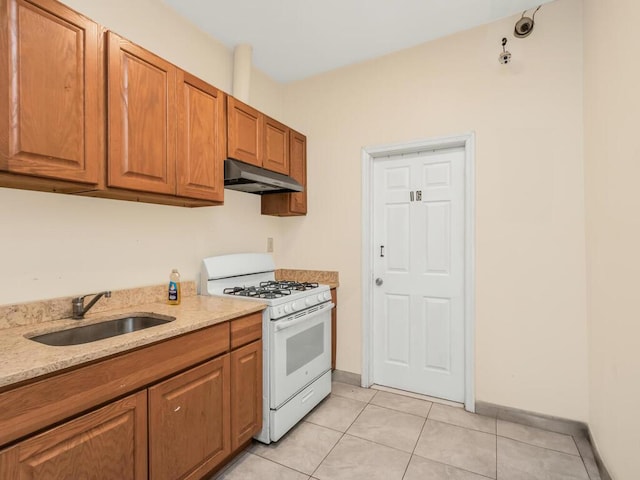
x: 612, y: 167
x: 531, y: 328
x: 54, y: 245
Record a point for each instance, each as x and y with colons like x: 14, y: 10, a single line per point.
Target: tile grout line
x: 448, y: 464
x: 496, y: 449
x: 328, y: 453
x: 278, y: 463
x: 473, y: 430
x: 424, y: 424
x: 464, y: 426
x: 341, y: 437
x: 584, y: 464
x: 392, y: 410
x: 544, y: 448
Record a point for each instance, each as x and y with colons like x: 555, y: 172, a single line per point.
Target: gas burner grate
x: 289, y: 285
x: 261, y: 291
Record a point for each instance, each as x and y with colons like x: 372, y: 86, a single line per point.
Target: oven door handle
x: 282, y: 325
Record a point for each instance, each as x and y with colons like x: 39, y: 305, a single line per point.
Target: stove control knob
x: 295, y: 306
x: 327, y: 296
x: 286, y: 309
x: 321, y: 298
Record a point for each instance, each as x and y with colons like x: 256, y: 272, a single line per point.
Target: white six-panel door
x: 418, y: 264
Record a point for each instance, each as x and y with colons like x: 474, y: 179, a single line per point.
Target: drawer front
x: 245, y: 330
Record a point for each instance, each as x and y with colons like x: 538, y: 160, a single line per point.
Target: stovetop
x: 271, y: 289
x: 252, y: 276
x: 282, y: 297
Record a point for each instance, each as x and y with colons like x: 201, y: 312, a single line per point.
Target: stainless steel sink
x: 98, y: 331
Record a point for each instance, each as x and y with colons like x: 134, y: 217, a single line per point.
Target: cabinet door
x: 291, y: 204
x: 142, y: 119
x: 189, y: 421
x: 276, y: 156
x: 245, y: 134
x: 201, y: 139
x: 111, y: 441
x: 298, y: 171
x: 246, y: 393
x: 50, y: 94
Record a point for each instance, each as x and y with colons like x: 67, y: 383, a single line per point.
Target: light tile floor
x: 358, y: 433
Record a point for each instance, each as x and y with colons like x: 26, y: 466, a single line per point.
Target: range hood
x: 251, y: 179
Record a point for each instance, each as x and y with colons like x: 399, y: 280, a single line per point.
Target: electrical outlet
x: 270, y: 244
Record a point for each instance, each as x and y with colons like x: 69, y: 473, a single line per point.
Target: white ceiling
x: 294, y: 39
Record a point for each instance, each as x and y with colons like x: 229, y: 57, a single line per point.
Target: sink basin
x: 106, y: 329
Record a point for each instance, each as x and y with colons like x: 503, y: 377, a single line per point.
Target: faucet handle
x: 78, y: 306
x: 106, y: 293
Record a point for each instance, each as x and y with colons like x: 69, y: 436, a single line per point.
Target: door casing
x: 369, y: 155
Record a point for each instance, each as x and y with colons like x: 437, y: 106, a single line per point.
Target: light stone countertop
x: 325, y: 277
x: 23, y: 359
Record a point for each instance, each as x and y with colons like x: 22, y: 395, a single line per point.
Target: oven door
x: 300, y: 351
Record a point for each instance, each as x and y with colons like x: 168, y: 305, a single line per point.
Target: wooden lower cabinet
x: 198, y: 401
x: 246, y: 393
x: 189, y: 422
x: 111, y: 440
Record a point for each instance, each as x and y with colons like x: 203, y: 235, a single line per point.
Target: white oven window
x: 304, y: 347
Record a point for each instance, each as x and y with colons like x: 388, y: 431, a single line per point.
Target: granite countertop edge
x: 24, y: 359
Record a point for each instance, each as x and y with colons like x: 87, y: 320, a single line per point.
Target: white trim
x: 369, y: 154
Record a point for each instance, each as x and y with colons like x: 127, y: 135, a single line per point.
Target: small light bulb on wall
x: 505, y: 56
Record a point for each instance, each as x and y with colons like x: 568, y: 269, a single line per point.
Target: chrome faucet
x: 79, y: 310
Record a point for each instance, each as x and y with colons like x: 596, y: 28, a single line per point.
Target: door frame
x: 369, y: 156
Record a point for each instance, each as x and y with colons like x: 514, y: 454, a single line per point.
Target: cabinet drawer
x: 246, y: 329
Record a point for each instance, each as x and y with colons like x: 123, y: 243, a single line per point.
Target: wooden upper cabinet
x: 189, y: 422
x: 298, y: 171
x: 50, y: 78
x: 245, y: 132
x: 141, y: 117
x: 111, y: 441
x: 291, y: 204
x: 202, y: 142
x: 276, y: 156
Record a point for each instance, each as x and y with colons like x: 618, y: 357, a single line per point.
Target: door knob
x: 378, y: 281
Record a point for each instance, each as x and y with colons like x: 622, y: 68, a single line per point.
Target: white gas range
x: 296, y: 335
